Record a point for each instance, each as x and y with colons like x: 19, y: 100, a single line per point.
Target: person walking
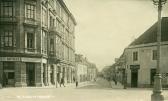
x: 62, y: 82
x: 76, y: 83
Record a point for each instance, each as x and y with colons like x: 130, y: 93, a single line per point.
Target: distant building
x: 141, y: 57
x: 36, y: 43
x: 91, y: 72
x: 85, y: 71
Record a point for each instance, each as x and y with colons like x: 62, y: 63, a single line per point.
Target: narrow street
x: 95, y: 91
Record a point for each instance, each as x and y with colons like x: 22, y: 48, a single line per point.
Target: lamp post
x: 157, y: 90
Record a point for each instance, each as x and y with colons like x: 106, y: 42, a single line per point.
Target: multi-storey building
x: 139, y: 59
x: 85, y: 70
x: 36, y: 43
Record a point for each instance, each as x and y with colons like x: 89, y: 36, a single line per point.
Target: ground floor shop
x: 33, y: 72
x: 143, y: 77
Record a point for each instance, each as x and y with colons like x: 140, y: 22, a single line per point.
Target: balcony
x: 55, y: 30
x: 30, y: 22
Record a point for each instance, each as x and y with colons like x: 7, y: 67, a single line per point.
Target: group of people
x: 62, y: 82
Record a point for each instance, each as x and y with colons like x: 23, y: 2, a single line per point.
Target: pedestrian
x: 62, y: 82
x: 115, y: 82
x: 76, y: 83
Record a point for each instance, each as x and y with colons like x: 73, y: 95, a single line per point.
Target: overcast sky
x: 105, y: 27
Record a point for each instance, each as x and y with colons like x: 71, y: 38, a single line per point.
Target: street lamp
x: 157, y: 90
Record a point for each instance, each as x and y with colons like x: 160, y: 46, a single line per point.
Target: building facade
x: 37, y: 46
x: 85, y: 70
x: 141, y: 57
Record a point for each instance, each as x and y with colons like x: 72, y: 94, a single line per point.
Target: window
x: 7, y: 8
x: 58, y: 8
x: 154, y: 56
x: 135, y: 56
x: 11, y: 75
x: 52, y: 46
x: 52, y: 21
x: 44, y: 41
x: 30, y: 11
x: 30, y: 40
x: 7, y: 39
x: 44, y: 17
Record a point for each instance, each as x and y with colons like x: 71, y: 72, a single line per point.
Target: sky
x: 105, y: 27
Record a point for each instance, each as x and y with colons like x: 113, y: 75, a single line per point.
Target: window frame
x: 154, y: 54
x: 30, y: 40
x: 135, y: 56
x: 51, y: 45
x: 30, y: 11
x: 7, y: 39
x: 7, y: 9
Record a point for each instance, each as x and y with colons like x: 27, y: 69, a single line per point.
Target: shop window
x: 11, y: 75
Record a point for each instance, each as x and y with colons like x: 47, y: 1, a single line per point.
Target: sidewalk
x: 69, y: 85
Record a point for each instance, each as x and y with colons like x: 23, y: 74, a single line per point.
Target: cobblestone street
x: 96, y: 91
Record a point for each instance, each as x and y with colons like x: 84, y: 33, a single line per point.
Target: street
x: 96, y: 91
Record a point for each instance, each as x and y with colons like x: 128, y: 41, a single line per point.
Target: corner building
x: 36, y: 43
x: 141, y: 57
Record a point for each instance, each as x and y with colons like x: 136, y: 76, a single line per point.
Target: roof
x: 150, y: 35
x: 67, y: 10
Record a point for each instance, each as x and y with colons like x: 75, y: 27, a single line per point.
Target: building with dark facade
x: 36, y: 43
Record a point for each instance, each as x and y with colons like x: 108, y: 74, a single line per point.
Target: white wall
x: 145, y: 61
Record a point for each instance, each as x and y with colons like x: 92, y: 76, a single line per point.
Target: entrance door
x: 9, y: 79
x: 134, y: 78
x: 30, y: 71
x: 134, y: 75
x: 152, y: 75
x: 52, y: 75
x: 8, y: 74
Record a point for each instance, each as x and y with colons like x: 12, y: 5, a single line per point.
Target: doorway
x: 52, y: 75
x: 134, y: 75
x: 30, y: 72
x: 8, y: 74
x: 152, y: 75
x: 134, y: 78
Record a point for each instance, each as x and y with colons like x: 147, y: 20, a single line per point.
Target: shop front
x: 21, y: 71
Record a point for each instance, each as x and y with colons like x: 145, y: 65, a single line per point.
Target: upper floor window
x: 135, y: 56
x: 7, y: 39
x: 30, y: 40
x: 154, y: 55
x: 52, y: 45
x: 7, y: 8
x: 44, y: 41
x: 52, y: 21
x: 30, y: 11
x: 44, y: 17
x: 58, y: 8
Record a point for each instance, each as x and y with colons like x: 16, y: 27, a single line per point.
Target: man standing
x: 62, y: 82
x: 76, y: 83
